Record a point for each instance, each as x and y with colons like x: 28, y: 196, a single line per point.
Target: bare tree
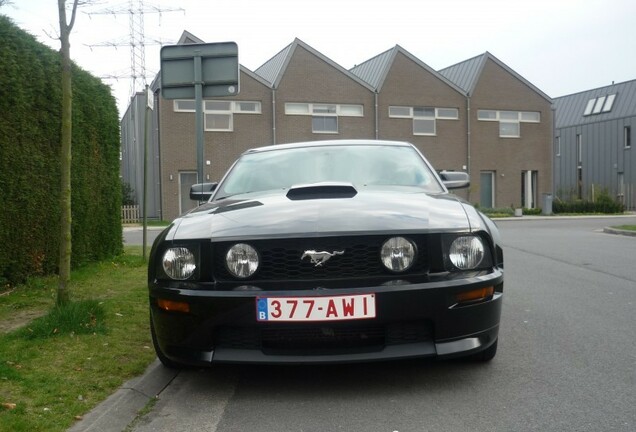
x: 63, y: 295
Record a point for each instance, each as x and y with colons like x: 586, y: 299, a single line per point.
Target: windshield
x: 360, y: 165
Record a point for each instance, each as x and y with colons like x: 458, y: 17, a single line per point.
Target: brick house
x: 461, y: 118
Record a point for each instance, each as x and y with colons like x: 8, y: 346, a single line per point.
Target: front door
x: 487, y: 189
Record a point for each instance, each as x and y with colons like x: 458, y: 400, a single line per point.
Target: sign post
x: 197, y: 71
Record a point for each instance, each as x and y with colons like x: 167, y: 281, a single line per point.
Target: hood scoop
x: 325, y: 190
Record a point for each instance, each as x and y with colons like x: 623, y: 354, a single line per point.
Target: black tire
x: 160, y: 355
x: 487, y: 354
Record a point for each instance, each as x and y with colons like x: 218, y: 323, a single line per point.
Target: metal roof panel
x: 570, y: 109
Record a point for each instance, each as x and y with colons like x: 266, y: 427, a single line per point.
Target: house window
x: 609, y: 103
x: 218, y: 116
x: 508, y: 129
x: 218, y: 122
x: 400, y: 112
x: 423, y: 121
x: 324, y: 116
x: 627, y: 136
x: 184, y: 105
x: 557, y: 144
x: 509, y: 121
x: 297, y: 109
x: 247, y: 107
x: 424, y: 118
x: 487, y: 115
x: 324, y: 124
x: 598, y: 105
x: 447, y: 113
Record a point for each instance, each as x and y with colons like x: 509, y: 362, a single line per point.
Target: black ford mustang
x: 331, y: 251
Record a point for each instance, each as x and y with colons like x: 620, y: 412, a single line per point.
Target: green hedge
x: 585, y: 206
x: 30, y: 116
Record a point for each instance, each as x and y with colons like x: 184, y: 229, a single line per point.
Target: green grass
x: 626, y: 227
x: 62, y: 362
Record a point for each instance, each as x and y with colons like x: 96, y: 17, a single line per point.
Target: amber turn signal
x: 475, y: 295
x: 173, y: 306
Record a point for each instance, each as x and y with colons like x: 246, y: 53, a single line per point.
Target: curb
x: 121, y: 408
x: 610, y: 230
x: 556, y: 217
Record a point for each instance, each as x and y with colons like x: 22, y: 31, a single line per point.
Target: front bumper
x: 413, y: 320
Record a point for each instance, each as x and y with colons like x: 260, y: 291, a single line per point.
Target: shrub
x: 30, y: 124
x: 603, y: 203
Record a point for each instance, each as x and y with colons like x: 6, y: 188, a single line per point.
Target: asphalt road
x: 566, y: 360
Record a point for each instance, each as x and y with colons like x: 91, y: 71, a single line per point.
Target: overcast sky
x: 561, y: 46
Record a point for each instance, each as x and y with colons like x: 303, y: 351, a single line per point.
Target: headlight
x: 467, y: 252
x: 179, y: 263
x: 242, y: 260
x: 397, y: 254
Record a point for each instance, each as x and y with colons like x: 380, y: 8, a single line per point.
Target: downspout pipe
x: 273, y: 116
x: 377, y: 127
x: 468, y: 141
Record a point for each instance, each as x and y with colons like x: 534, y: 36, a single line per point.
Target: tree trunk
x: 63, y: 295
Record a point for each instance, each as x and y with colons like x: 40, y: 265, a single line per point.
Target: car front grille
x: 281, y: 259
x: 322, y: 339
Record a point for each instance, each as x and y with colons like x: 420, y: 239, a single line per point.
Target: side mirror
x: 202, y: 191
x: 455, y: 179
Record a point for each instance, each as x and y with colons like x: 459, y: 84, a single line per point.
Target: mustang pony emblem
x: 319, y: 258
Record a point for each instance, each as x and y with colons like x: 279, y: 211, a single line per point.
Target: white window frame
x: 600, y: 104
x: 438, y: 113
x: 509, y: 117
x: 176, y: 108
x: 318, y: 117
x: 409, y: 112
x: 483, y: 113
x: 297, y: 108
x: 228, y: 114
x: 524, y: 116
x: 440, y: 116
x: 557, y: 144
x: 517, y: 124
x: 609, y: 103
x: 324, y: 110
x: 347, y: 110
x: 218, y: 112
x: 426, y: 119
x: 238, y: 109
x: 235, y: 106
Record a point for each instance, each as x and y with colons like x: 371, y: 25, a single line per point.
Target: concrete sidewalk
x: 121, y: 408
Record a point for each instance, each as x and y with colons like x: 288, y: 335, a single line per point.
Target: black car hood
x: 369, y: 211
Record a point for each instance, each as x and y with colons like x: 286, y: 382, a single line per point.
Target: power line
x: 136, y: 41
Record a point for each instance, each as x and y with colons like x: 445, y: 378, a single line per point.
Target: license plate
x: 330, y: 308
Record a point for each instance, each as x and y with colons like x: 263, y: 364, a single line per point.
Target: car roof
x: 324, y: 143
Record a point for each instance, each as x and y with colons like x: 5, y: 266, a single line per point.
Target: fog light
x: 475, y: 295
x: 173, y: 306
